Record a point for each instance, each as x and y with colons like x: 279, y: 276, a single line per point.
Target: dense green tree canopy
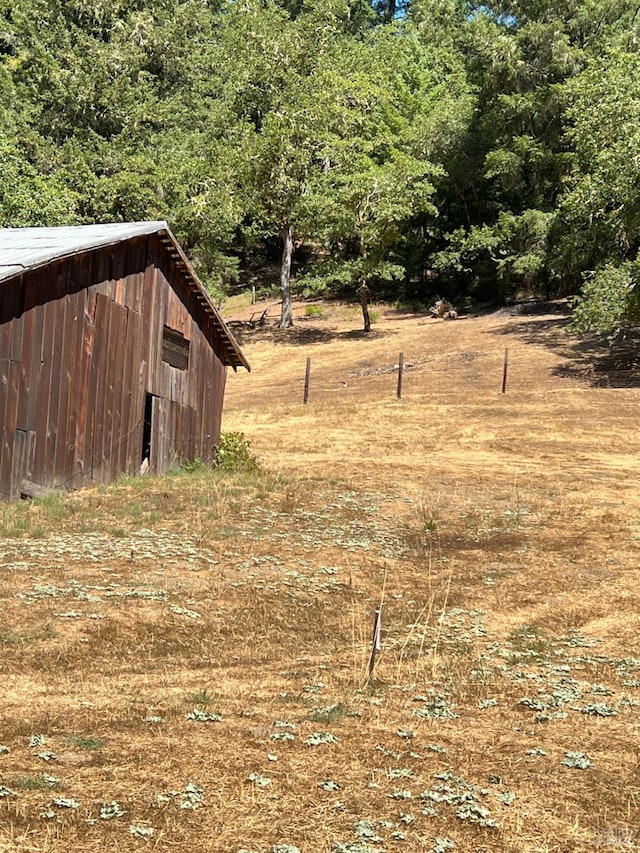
x: 420, y: 147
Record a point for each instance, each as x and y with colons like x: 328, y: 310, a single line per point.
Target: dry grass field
x: 184, y: 660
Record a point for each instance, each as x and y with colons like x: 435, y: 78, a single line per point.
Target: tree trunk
x: 285, y: 276
x: 364, y: 293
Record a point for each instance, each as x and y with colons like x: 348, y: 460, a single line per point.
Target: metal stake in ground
x: 307, y: 377
x: 400, y: 372
x: 504, y: 371
x: 375, y: 642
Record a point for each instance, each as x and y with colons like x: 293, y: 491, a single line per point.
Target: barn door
x: 157, y: 451
x: 147, y: 434
x: 161, y: 437
x: 24, y: 445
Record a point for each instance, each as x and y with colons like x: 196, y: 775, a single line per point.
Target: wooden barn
x: 113, y: 358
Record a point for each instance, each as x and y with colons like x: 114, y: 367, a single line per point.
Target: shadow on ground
x: 299, y: 335
x: 589, y: 358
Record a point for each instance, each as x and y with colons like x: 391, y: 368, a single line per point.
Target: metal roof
x: 24, y: 249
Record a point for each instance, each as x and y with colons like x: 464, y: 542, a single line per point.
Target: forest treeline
x: 418, y: 146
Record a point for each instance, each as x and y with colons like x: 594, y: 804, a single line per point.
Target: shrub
x: 191, y: 466
x: 234, y: 453
x: 315, y: 311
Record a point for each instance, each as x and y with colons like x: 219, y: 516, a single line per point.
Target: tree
x: 121, y: 110
x: 471, y: 149
x: 393, y: 99
x: 286, y: 102
x: 505, y: 176
x: 599, y: 215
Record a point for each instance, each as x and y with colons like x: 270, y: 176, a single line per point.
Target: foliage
x: 315, y: 311
x: 600, y: 211
x: 234, y: 453
x: 88, y: 743
x: 420, y: 147
x: 577, y: 760
x: 192, y: 466
x: 609, y: 298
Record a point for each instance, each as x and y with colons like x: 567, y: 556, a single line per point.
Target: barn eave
x: 25, y: 249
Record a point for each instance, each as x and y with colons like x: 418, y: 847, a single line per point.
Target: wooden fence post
x: 400, y: 371
x: 504, y: 371
x: 375, y: 642
x: 307, y: 378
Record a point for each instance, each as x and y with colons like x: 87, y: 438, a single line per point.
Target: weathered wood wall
x: 81, y: 346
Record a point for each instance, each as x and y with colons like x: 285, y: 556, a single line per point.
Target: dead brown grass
x: 500, y: 534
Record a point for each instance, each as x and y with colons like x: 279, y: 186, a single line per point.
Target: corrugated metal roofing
x: 24, y: 249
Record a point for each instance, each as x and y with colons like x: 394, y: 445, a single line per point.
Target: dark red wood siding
x: 81, y: 348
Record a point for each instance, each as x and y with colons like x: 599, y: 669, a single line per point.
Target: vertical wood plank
x: 100, y: 362
x: 64, y: 373
x: 136, y: 259
x: 18, y: 461
x: 75, y: 312
x: 8, y: 429
x: 147, y: 299
x: 148, y: 331
x: 37, y: 370
x: 86, y: 403
x: 4, y: 387
x: 38, y: 472
x: 7, y: 318
x: 116, y: 426
x: 110, y: 434
x: 158, y: 310
x: 126, y: 393
x: 202, y: 403
x: 137, y: 394
x: 29, y: 360
x: 155, y: 436
x: 135, y: 286
x: 51, y: 432
x: 174, y: 450
x: 110, y: 274
x: 221, y: 371
x: 15, y: 310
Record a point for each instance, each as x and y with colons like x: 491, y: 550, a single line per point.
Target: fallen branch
x: 443, y: 310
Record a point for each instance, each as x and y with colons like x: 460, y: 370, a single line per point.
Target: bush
x: 609, y: 299
x: 191, y: 466
x: 315, y: 311
x: 234, y: 453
